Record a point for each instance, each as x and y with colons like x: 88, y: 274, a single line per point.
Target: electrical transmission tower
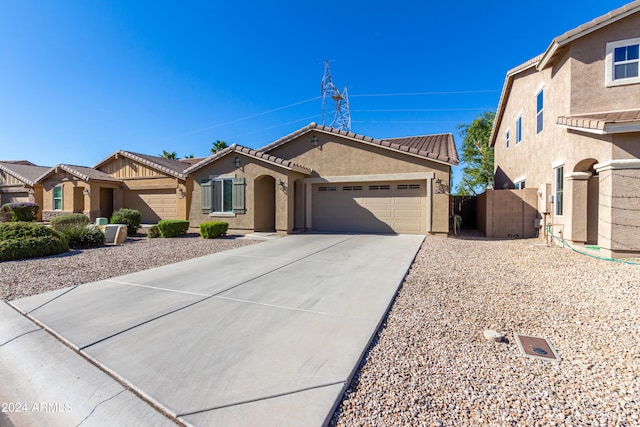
x: 342, y: 115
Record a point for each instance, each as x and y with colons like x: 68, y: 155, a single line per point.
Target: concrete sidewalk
x: 268, y: 334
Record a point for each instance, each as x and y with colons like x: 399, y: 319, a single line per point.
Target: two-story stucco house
x: 568, y: 124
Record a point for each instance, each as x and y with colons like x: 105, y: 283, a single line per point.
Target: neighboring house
x: 18, y: 182
x: 323, y: 179
x: 79, y: 189
x: 568, y: 125
x: 159, y: 188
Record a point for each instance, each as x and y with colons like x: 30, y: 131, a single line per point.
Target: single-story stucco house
x: 18, y: 182
x: 323, y: 179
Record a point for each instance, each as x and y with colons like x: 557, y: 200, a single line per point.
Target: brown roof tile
x: 27, y: 173
x: 85, y: 173
x: 172, y: 167
x: 251, y: 153
x: 604, y: 122
x: 434, y: 147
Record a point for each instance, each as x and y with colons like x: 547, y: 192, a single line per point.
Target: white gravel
x: 34, y: 276
x: 430, y: 364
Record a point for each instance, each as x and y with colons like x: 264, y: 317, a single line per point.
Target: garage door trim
x: 426, y: 176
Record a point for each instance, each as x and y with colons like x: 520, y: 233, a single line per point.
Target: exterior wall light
x: 314, y: 141
x: 236, y: 161
x: 85, y: 192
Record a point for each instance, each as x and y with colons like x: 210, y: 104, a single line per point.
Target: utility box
x: 102, y: 221
x: 114, y: 234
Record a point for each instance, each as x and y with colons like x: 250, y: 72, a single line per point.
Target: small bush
x: 19, y: 240
x: 131, y: 217
x: 25, y: 211
x: 82, y: 236
x: 173, y: 227
x: 153, y: 232
x: 69, y: 219
x: 209, y: 230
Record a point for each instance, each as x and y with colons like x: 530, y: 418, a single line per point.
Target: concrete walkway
x: 268, y: 334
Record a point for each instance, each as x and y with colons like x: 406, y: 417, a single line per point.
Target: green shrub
x: 19, y: 240
x: 82, y: 236
x: 173, y: 227
x: 153, y: 232
x: 209, y: 230
x: 25, y: 211
x: 131, y: 217
x: 69, y: 219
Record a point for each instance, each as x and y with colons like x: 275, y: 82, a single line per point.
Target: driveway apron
x: 268, y: 334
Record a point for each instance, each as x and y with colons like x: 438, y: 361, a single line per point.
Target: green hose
x: 564, y: 243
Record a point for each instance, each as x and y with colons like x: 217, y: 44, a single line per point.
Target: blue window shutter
x: 206, y: 190
x: 239, y: 195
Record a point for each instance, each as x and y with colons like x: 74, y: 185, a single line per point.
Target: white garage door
x: 370, y: 207
x: 153, y: 205
x: 14, y: 198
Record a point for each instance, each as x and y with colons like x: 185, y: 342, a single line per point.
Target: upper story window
x: 518, y: 129
x: 540, y: 111
x: 623, y: 60
x: 507, y: 136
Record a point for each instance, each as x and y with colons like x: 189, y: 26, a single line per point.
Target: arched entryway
x: 585, y: 197
x: 298, y: 205
x: 264, y: 203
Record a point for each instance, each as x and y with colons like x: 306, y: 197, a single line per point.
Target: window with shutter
x: 206, y: 193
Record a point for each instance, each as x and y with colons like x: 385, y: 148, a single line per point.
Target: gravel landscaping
x: 430, y: 364
x: 34, y: 276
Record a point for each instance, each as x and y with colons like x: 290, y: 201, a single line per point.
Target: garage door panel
x: 14, y: 198
x: 379, y: 208
x: 153, y: 205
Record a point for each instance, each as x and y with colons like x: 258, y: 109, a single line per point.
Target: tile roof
x: 434, y: 147
x: 172, y: 167
x: 27, y: 173
x: 610, y: 122
x: 287, y: 164
x: 85, y: 173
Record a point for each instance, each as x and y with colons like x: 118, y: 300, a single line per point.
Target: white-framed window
x: 223, y: 195
x: 623, y: 62
x: 540, y: 111
x: 507, y: 136
x: 520, y: 185
x: 519, y: 129
x: 57, y: 198
x: 558, y: 184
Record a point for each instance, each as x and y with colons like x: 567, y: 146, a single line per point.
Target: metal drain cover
x: 537, y: 347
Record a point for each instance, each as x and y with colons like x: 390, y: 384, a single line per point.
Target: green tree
x: 190, y: 156
x: 168, y: 155
x: 218, y: 145
x: 476, y: 155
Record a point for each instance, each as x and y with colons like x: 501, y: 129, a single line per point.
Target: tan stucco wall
x: 574, y: 84
x: 69, y: 183
x: 588, y: 91
x: 336, y: 156
x: 504, y: 214
x: 250, y: 169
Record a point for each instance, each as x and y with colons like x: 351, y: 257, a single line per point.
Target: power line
x: 426, y: 93
x: 252, y: 116
x: 419, y: 110
x: 276, y: 126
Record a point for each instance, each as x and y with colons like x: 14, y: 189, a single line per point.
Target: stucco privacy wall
x: 507, y: 214
x: 251, y: 170
x: 335, y: 156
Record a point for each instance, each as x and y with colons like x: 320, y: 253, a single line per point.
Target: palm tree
x: 168, y: 155
x: 218, y: 145
x: 190, y: 156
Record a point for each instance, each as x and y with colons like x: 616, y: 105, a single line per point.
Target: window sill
x: 222, y: 214
x: 623, y: 82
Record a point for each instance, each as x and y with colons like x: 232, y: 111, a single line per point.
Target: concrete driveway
x: 268, y: 334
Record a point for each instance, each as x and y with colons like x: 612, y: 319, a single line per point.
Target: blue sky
x: 82, y: 79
